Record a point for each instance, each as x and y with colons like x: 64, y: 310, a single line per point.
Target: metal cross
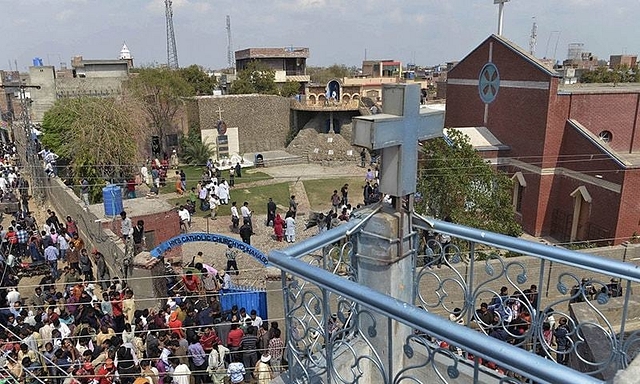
x: 219, y: 113
x: 396, y: 133
x: 500, y: 13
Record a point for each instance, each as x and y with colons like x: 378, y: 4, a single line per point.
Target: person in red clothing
x: 104, y: 374
x: 72, y: 227
x: 278, y: 227
x: 234, y: 338
x: 192, y: 284
x: 208, y: 337
x: 175, y: 325
x: 118, y: 315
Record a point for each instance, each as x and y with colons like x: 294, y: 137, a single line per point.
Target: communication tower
x: 172, y: 50
x: 230, y: 58
x: 533, y: 39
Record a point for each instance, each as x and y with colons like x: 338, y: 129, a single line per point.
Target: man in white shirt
x: 185, y: 217
x: 256, y: 320
x: 126, y: 226
x: 246, y: 213
x: 181, y: 373
x: 235, y: 217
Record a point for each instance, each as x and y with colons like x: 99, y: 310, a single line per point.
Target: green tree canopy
x: 620, y: 74
x: 257, y: 77
x: 198, y: 79
x: 97, y: 137
x: 322, y: 75
x: 455, y: 181
x: 158, y: 92
x: 289, y: 89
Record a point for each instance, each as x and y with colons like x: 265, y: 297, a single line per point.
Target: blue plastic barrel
x: 112, y: 198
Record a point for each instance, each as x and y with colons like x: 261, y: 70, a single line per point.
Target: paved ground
x: 264, y: 237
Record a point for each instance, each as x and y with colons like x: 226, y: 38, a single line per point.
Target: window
x: 605, y: 136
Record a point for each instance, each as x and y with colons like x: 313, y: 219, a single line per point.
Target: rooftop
x: 270, y: 53
x: 586, y: 88
x: 140, y: 206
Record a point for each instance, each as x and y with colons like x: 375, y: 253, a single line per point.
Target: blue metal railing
x: 316, y: 297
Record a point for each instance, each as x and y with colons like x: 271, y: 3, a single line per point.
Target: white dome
x: 125, y: 54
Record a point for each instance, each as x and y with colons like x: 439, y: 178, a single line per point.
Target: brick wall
x: 615, y: 112
x: 263, y: 121
x: 148, y: 285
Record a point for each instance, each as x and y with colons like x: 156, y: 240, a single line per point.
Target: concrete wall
x: 89, y: 86
x: 45, y: 97
x: 263, y: 121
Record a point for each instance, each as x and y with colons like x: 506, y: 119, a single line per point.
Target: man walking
x: 246, y: 214
x: 246, y: 232
x: 231, y: 255
x: 271, y: 212
x: 293, y: 206
x: 51, y: 255
x: 235, y: 217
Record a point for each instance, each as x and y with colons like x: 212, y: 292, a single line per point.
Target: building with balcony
x: 289, y: 63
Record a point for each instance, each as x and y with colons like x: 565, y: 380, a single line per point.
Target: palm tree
x: 196, y: 152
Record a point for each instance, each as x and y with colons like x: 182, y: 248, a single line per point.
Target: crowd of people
x: 80, y: 325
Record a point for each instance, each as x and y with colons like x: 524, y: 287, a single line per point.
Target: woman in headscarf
x: 278, y: 227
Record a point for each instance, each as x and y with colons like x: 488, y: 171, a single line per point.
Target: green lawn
x: 256, y: 196
x: 194, y: 174
x: 319, y: 191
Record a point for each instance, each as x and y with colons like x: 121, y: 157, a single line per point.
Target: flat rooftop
x: 595, y: 88
x: 273, y: 53
x: 140, y: 206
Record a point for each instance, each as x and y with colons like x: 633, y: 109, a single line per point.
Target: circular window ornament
x: 605, y: 136
x: 489, y: 83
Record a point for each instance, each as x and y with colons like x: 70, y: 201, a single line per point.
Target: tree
x: 200, y: 81
x: 257, y: 77
x: 97, y: 137
x: 455, y: 181
x: 620, y: 74
x: 158, y: 92
x: 290, y: 88
x: 194, y: 151
x: 322, y: 75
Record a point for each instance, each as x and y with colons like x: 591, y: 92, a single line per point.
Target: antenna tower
x: 172, y: 50
x: 533, y: 39
x: 230, y: 58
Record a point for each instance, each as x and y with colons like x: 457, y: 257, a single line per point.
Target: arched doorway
x: 581, y: 211
x: 312, y: 99
x: 333, y: 90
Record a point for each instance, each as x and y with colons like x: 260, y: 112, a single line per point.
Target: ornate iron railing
x: 333, y: 322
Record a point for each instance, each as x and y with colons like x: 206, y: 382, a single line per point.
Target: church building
x: 573, y: 151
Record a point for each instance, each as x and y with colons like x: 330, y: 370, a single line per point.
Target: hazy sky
x: 336, y: 31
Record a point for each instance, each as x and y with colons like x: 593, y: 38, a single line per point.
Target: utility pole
x: 34, y: 167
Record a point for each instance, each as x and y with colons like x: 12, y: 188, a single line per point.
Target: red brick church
x: 573, y: 150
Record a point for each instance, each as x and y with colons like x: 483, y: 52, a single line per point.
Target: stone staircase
x: 295, y: 159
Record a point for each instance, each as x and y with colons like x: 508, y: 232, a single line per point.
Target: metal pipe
x: 593, y: 263
x: 505, y: 355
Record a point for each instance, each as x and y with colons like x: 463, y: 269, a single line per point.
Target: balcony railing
x: 333, y: 323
